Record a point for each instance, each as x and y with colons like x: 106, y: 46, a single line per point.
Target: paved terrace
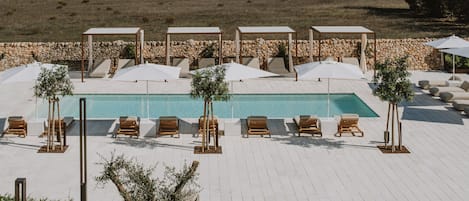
x: 284, y: 167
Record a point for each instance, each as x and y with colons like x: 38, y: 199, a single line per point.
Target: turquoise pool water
x: 181, y: 105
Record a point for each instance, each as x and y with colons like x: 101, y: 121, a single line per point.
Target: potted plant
x: 51, y: 84
x: 209, y: 85
x: 393, y: 86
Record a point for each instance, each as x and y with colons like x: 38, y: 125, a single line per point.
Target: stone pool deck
x: 284, y: 167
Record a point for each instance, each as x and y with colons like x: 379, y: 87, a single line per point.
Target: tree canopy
x: 394, y: 85
x: 441, y: 8
x: 209, y: 84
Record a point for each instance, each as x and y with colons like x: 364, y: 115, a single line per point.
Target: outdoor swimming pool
x: 181, y: 105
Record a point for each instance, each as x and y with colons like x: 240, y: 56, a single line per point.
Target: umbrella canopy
x: 235, y: 71
x: 448, y: 42
x: 24, y: 73
x: 463, y: 52
x: 148, y: 72
x: 328, y: 69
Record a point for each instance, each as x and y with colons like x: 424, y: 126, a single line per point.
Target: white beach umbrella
x: 447, y: 43
x: 329, y: 70
x: 235, y: 71
x: 148, y: 72
x: 25, y: 73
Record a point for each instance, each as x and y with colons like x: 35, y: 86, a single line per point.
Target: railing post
x: 83, y: 165
x: 20, y: 189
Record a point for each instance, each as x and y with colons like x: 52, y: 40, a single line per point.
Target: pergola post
x: 168, y: 39
x: 90, y: 52
x: 319, y: 46
x: 142, y: 39
x: 220, y: 49
x: 374, y: 64
x: 82, y: 57
x: 237, y: 44
x: 311, y: 37
x: 363, y: 53
x: 290, y: 57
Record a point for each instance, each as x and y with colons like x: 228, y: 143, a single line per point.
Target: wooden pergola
x: 108, y: 32
x: 266, y: 30
x: 193, y: 30
x: 321, y: 30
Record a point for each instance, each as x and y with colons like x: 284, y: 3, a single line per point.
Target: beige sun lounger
x: 169, y: 125
x: 451, y: 96
x: 277, y: 65
x: 351, y: 60
x: 460, y: 104
x: 435, y: 91
x: 348, y: 123
x: 308, y: 124
x: 257, y: 125
x: 427, y: 84
x: 183, y: 63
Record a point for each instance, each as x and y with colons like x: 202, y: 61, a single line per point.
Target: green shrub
x: 128, y: 52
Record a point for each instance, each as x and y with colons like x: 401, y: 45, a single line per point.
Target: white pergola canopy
x: 265, y: 30
x: 103, y: 31
x: 343, y: 30
x: 193, y: 30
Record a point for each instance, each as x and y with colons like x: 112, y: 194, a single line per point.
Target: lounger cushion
x: 435, y: 91
x: 451, y: 96
x: 460, y: 104
x: 426, y: 84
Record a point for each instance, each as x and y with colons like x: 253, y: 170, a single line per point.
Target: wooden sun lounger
x: 257, y: 125
x: 169, y: 125
x: 17, y: 125
x: 308, y: 124
x: 348, y: 123
x: 213, y: 125
x: 64, y: 122
x: 129, y: 126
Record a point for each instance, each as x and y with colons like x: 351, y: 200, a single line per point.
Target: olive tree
x: 135, y: 182
x: 51, y: 84
x: 394, y: 87
x: 209, y: 84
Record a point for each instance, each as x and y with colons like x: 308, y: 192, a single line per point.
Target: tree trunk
x: 392, y: 129
x: 48, y: 125
x: 59, y: 135
x: 204, y: 126
x: 216, y: 128
x: 399, y: 134
x: 187, y: 176
x: 53, y: 125
x: 386, y: 138
x: 120, y: 187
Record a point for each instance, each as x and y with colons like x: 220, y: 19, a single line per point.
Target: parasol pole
x: 232, y: 110
x: 148, y: 103
x: 328, y: 98
x: 454, y: 68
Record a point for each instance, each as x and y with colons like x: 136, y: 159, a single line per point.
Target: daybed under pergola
x: 193, y: 30
x: 321, y: 30
x: 108, y: 31
x: 265, y: 30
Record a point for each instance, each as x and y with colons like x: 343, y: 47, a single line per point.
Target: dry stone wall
x: 421, y: 57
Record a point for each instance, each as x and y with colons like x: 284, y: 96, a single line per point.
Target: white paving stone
x: 284, y: 167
